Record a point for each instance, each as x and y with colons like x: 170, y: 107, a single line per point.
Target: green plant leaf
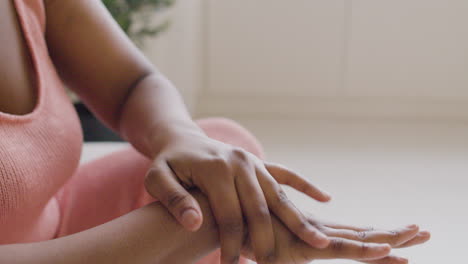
x: 125, y: 12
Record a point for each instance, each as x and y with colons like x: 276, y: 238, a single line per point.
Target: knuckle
x: 304, y: 189
x: 240, y: 154
x: 219, y: 164
x: 262, y: 213
x: 282, y: 198
x: 301, y: 226
x: 152, y: 176
x: 175, y: 199
x: 362, y: 235
x: 321, y: 228
x: 313, y: 221
x: 395, y: 237
x: 337, y: 244
x: 364, y: 250
x: 232, y: 227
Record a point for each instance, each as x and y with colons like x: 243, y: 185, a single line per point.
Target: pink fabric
x: 43, y: 192
x: 112, y: 186
x: 38, y: 151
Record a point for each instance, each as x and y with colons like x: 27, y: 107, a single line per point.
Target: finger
x: 421, y: 238
x: 288, y: 177
x: 349, y: 249
x: 227, y: 212
x: 285, y: 210
x: 388, y: 260
x: 255, y: 209
x: 161, y: 183
x: 394, y: 238
x: 350, y: 227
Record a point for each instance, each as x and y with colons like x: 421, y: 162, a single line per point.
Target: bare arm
x: 99, y: 62
x: 121, y: 86
x: 151, y: 235
x: 147, y: 235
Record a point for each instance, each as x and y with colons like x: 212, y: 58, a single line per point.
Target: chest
x: 40, y: 133
x: 17, y: 80
x: 36, y: 158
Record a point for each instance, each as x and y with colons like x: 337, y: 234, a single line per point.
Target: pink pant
x: 112, y: 186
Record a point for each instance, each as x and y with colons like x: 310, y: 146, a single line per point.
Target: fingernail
x: 412, y: 226
x: 424, y: 233
x: 327, y: 195
x: 321, y: 241
x: 384, y: 248
x: 402, y: 260
x: 190, y: 218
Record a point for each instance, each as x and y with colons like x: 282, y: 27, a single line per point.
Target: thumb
x: 161, y: 183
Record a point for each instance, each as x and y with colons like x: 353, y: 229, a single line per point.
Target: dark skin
x: 16, y: 76
x: 134, y: 238
x: 95, y: 58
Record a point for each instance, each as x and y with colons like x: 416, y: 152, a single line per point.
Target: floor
x: 384, y: 174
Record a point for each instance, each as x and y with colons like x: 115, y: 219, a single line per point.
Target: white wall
x: 178, y: 51
x: 338, y: 58
x: 347, y: 58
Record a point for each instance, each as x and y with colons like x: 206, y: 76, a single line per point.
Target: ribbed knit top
x: 39, y: 151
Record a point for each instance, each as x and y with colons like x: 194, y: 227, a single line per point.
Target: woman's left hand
x: 365, y: 245
x: 238, y: 186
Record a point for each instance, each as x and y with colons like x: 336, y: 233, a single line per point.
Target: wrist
x: 166, y: 132
x: 200, y: 243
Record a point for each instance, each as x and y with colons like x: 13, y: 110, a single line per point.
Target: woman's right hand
x: 366, y: 245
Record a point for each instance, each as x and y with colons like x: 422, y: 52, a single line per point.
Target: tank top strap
x: 35, y: 11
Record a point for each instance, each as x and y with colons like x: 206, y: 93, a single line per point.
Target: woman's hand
x: 238, y: 186
x: 365, y: 245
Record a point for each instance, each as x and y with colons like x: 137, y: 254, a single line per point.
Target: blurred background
x: 367, y: 98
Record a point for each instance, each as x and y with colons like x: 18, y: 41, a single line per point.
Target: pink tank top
x: 38, y: 151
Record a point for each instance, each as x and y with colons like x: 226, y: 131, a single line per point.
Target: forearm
x: 147, y: 235
x: 152, y: 109
x: 111, y: 76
